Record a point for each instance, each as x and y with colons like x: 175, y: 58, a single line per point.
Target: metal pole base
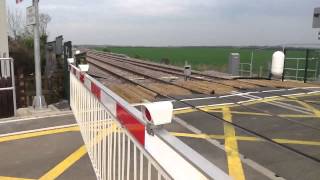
x: 39, y: 103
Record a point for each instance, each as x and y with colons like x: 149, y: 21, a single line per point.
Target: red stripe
x: 82, y: 77
x: 132, y: 124
x: 95, y: 90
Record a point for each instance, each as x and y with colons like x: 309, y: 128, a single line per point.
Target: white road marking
x: 35, y: 118
x: 37, y: 130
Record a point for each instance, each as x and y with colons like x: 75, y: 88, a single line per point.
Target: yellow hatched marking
x: 315, y: 111
x: 231, y: 147
x: 246, y: 138
x: 244, y: 113
x: 65, y: 164
x: 184, y: 111
x: 75, y: 156
x: 297, y: 116
x: 13, y: 178
x: 263, y: 100
x: 274, y: 98
x: 37, y: 134
x: 209, y: 109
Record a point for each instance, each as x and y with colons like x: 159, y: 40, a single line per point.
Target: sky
x: 180, y: 22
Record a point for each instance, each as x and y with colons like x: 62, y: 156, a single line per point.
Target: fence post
x: 67, y: 53
x: 284, y: 65
x: 305, y: 79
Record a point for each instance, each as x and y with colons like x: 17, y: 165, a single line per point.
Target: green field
x: 205, y: 58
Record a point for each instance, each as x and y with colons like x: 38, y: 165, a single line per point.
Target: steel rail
x: 145, y: 75
x: 209, y: 80
x: 254, y: 133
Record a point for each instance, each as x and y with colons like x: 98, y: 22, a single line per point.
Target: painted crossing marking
x: 246, y: 138
x: 65, y: 164
x: 251, y: 101
x: 61, y: 167
x: 35, y: 118
x: 38, y: 132
x: 231, y: 147
x: 315, y: 111
x: 13, y: 178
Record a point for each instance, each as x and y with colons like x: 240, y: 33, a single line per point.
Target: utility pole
x: 39, y: 100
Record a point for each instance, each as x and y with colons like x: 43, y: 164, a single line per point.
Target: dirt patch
x: 238, y: 84
x: 167, y: 89
x: 132, y: 93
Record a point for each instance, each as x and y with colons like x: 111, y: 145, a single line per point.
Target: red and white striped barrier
x: 110, y: 125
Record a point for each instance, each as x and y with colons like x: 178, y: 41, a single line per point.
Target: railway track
x: 96, y: 59
x: 241, y: 85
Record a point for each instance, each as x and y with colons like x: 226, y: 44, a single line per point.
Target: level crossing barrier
x: 123, y: 144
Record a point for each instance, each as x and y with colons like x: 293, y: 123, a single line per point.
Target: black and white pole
x: 39, y: 100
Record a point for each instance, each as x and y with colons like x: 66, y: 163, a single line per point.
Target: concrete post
x: 4, y: 52
x: 38, y: 101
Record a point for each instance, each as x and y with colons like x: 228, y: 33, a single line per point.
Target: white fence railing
x: 121, y: 145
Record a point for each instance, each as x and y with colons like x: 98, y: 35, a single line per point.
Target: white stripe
x: 313, y: 92
x: 294, y: 94
x: 33, y: 118
x: 37, y: 130
x: 193, y: 99
x: 222, y: 104
x: 275, y: 90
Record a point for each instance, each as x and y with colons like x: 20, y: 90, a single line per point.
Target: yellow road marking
x: 231, y: 147
x: 65, y: 164
x: 12, y: 178
x: 37, y: 134
x: 244, y: 113
x: 263, y: 100
x: 315, y: 111
x: 219, y: 111
x: 184, y: 111
x: 274, y: 98
x: 210, y: 108
x: 246, y: 138
x: 75, y: 156
x: 297, y: 116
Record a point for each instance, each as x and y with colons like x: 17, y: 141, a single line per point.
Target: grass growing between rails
x: 203, y: 58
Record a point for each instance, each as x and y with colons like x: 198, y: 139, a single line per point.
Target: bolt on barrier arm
x: 122, y: 145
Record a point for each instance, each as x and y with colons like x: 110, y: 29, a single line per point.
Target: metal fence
x: 298, y: 70
x: 121, y: 145
x: 7, y: 88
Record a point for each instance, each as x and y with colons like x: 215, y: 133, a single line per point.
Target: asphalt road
x: 52, y: 147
